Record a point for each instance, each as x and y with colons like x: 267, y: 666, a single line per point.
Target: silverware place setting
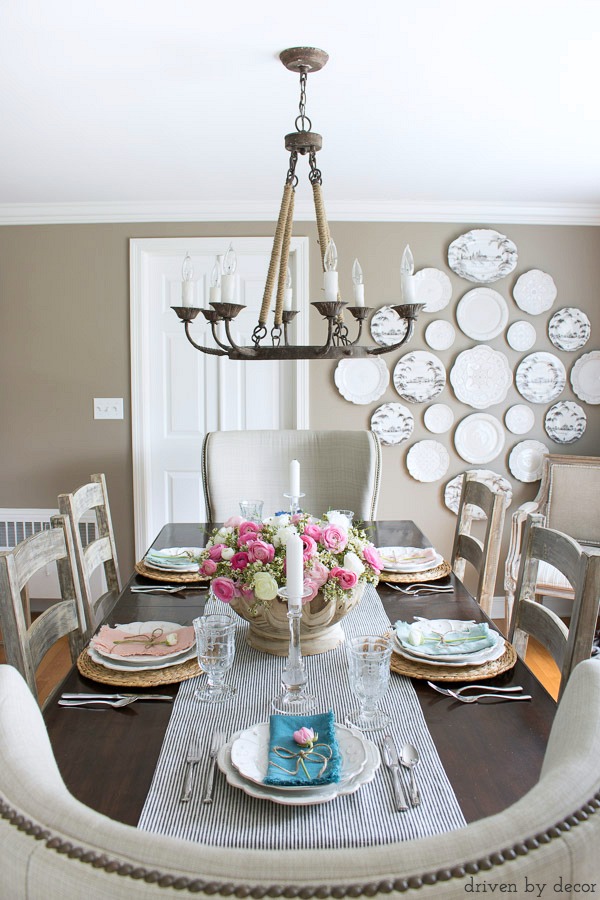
x: 489, y: 693
x: 194, y: 756
x: 117, y: 701
x: 167, y: 589
x: 413, y: 590
x: 392, y: 761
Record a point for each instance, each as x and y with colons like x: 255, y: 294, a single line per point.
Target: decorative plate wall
x: 569, y: 328
x: 362, y: 380
x: 427, y: 461
x: 482, y: 314
x: 387, y: 327
x: 438, y: 418
x: 433, y: 288
x: 440, y: 334
x: 481, y: 377
x: 482, y: 255
x: 527, y: 459
x: 585, y: 377
x: 519, y: 419
x: 565, y: 422
x: 541, y: 377
x: 419, y: 376
x: 392, y: 423
x: 535, y: 292
x: 521, y: 336
x: 492, y: 479
x: 479, y: 438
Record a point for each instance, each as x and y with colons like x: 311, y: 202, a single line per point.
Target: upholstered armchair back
x: 573, y: 502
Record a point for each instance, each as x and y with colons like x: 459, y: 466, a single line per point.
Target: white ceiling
x: 428, y: 109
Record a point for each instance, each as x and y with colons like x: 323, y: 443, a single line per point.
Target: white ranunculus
x: 335, y: 517
x: 227, y: 552
x: 264, y: 586
x: 222, y: 534
x: 276, y: 521
x: 353, y: 563
x: 282, y: 534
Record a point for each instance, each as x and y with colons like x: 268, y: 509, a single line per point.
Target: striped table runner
x: 235, y: 819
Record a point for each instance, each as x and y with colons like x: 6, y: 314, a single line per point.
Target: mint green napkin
x: 471, y: 638
x: 323, y: 762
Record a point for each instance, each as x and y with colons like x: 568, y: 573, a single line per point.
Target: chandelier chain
x: 302, y: 118
x: 291, y: 177
x: 315, y: 175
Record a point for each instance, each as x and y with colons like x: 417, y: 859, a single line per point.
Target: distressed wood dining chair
x: 25, y: 646
x: 100, y: 551
x: 580, y: 566
x: 481, y: 553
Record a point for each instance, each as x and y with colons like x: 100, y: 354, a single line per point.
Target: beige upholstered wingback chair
x: 53, y: 846
x: 569, y: 501
x: 338, y: 470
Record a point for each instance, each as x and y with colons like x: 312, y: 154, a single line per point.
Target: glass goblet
x: 215, y: 645
x: 252, y: 510
x: 369, y: 672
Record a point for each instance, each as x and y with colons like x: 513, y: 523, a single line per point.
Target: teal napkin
x: 158, y: 556
x: 470, y: 639
x: 285, y: 763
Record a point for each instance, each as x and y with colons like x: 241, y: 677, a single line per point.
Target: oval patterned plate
x: 482, y: 255
x: 392, y: 423
x: 481, y: 376
x: 541, y: 377
x: 419, y: 376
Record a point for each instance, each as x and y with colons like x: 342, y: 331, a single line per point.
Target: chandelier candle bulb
x: 359, y: 285
x: 228, y: 277
x: 330, y: 275
x: 187, y: 284
x: 215, y: 283
x: 287, y: 297
x: 407, y: 281
x: 294, y: 571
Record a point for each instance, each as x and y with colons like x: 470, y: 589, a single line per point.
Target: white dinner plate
x: 474, y: 659
x: 482, y: 255
x: 519, y: 418
x: 585, y: 377
x: 250, y: 756
x: 427, y: 461
x: 482, y: 314
x: 392, y: 423
x: 433, y: 288
x: 565, y: 422
x: 526, y: 460
x: 569, y: 328
x: 406, y: 559
x: 535, y: 292
x: 521, y: 336
x: 440, y: 334
x: 481, y: 376
x: 444, y: 626
x: 362, y: 380
x: 419, y: 376
x: 540, y: 377
x: 438, y: 418
x: 175, y: 566
x: 387, y: 327
x: 134, y: 628
x: 493, y: 480
x: 479, y: 438
x: 122, y: 666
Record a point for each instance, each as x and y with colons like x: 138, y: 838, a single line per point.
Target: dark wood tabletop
x: 492, y: 752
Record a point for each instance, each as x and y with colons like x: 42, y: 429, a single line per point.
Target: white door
x: 179, y: 393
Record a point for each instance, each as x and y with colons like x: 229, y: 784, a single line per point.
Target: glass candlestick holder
x: 294, y: 699
x: 294, y: 502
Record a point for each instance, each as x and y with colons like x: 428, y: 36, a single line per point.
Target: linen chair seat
x: 338, y: 470
x: 50, y: 840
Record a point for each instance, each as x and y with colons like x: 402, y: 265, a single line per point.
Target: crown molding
x: 345, y: 211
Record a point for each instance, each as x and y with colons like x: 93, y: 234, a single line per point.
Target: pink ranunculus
x: 245, y: 527
x: 208, y: 567
x: 335, y: 538
x: 372, y: 557
x: 260, y: 551
x: 314, y: 531
x: 318, y: 572
x: 240, y: 560
x: 314, y: 590
x: 215, y: 551
x: 297, y: 517
x: 346, y: 579
x: 246, y: 592
x: 224, y: 589
x: 233, y: 521
x: 310, y: 546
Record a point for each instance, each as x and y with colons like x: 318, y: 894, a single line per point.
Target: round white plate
x: 534, y: 292
x: 526, y: 460
x: 103, y: 661
x: 481, y: 376
x: 569, y: 328
x: 361, y: 380
x: 427, y: 461
x: 143, y: 628
x: 433, y: 288
x: 493, y: 480
x: 521, y: 336
x: 585, y: 377
x: 565, y: 422
x: 419, y: 376
x: 407, y: 565
x: 429, y: 627
x: 308, y: 797
x: 180, y: 566
x: 387, y: 327
x: 392, y: 423
x: 438, y: 418
x: 473, y: 659
x: 250, y: 755
x: 482, y: 314
x: 482, y: 255
x: 519, y: 418
x: 440, y: 334
x: 540, y: 377
x: 479, y: 438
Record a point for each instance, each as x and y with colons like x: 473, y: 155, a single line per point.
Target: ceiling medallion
x: 337, y: 343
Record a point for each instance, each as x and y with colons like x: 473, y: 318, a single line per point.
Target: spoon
x: 409, y: 758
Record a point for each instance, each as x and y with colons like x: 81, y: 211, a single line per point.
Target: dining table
x: 492, y: 752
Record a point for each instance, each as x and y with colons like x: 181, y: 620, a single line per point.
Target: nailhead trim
x: 228, y: 889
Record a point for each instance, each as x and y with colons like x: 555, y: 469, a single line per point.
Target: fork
x: 217, y: 741
x: 414, y: 591
x: 481, y: 687
x: 456, y: 696
x: 167, y: 589
x: 116, y: 704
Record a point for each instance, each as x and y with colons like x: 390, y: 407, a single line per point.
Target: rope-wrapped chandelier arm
x: 288, y: 191
x: 284, y: 260
x: 322, y: 224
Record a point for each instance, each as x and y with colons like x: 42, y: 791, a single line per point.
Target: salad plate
x: 540, y: 377
x: 519, y: 418
x: 362, y: 380
x: 479, y: 438
x: 433, y: 288
x: 565, y: 422
x: 482, y: 255
x: 392, y: 423
x: 123, y: 666
x: 419, y: 376
x: 173, y: 559
x: 569, y: 329
x: 473, y: 659
x: 526, y: 460
x: 427, y: 460
x: 493, y: 480
x: 482, y: 314
x: 432, y: 630
x: 521, y: 336
x: 103, y: 640
x: 438, y: 418
x: 440, y: 334
x: 410, y: 559
x: 387, y: 327
x: 535, y: 292
x: 481, y: 377
x: 585, y: 377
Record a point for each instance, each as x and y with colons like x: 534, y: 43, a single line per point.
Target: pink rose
x: 335, y: 538
x: 305, y: 736
x: 215, y: 551
x: 347, y: 580
x: 233, y: 521
x: 372, y: 557
x: 314, y: 590
x: 240, y: 560
x: 297, y: 517
x: 310, y: 546
x: 209, y: 567
x: 260, y: 551
x: 313, y: 531
x: 223, y: 589
x: 318, y: 572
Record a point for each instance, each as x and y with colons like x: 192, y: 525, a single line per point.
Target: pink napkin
x: 106, y: 641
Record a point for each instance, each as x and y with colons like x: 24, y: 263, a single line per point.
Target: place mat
x: 236, y: 820
x: 414, y: 669
x: 440, y: 571
x: 166, y: 675
x: 172, y: 577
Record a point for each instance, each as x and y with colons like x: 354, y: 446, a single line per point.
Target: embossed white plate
x: 521, y: 336
x: 438, y: 418
x: 482, y: 255
x: 433, y: 288
x: 427, y: 460
x: 493, y: 480
x: 569, y: 328
x: 526, y: 460
x: 585, y: 377
x: 479, y: 438
x: 440, y: 334
x: 392, y: 423
x: 419, y: 376
x: 565, y: 422
x: 481, y: 376
x: 540, y: 377
x: 482, y: 314
x: 362, y: 380
x: 387, y: 327
x: 534, y: 292
x: 519, y: 418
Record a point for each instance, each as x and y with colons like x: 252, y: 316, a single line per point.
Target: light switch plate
x: 108, y: 407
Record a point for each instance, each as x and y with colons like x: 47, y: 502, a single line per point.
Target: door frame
x: 140, y: 252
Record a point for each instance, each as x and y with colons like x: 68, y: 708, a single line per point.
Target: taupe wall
x: 64, y: 326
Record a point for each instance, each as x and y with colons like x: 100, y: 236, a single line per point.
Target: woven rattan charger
x: 150, y: 678
x: 440, y: 571
x: 414, y: 669
x: 171, y: 577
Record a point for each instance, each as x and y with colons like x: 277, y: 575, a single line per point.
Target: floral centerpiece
x: 246, y: 564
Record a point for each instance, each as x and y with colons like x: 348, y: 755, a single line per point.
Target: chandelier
x: 274, y: 344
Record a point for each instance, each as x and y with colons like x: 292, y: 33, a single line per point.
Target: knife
x: 114, y: 696
x: 191, y: 761
x: 393, y: 763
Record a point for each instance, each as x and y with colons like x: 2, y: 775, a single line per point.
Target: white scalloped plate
x: 481, y: 376
x: 479, y: 438
x: 534, y: 292
x: 585, y: 377
x: 482, y: 314
x: 433, y: 288
x: 427, y: 460
x: 526, y: 460
x: 362, y: 380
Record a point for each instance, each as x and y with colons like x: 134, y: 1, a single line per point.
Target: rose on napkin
x: 156, y: 642
x: 303, y: 750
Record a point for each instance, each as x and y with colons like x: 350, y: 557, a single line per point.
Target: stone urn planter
x: 320, y: 628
